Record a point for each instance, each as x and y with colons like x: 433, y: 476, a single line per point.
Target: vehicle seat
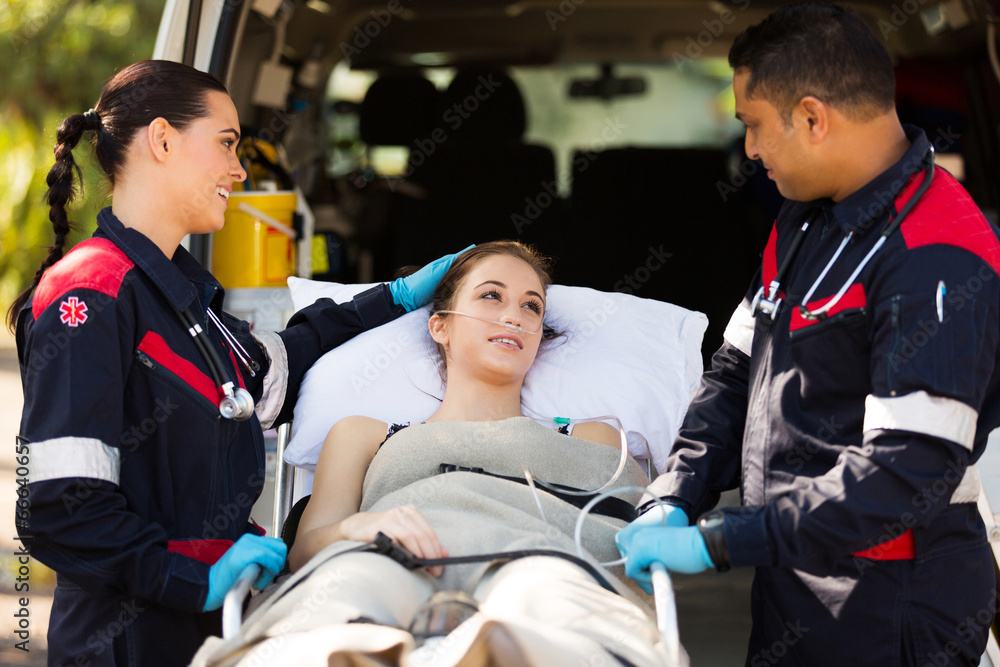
x: 479, y: 178
x: 632, y: 206
x: 399, y: 109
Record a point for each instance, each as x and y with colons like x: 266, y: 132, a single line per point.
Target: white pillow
x: 637, y: 359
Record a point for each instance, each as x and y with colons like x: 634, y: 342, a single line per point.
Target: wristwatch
x: 710, y: 527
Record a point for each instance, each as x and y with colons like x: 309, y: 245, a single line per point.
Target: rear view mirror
x: 607, y: 86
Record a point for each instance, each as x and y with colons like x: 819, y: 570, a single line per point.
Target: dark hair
x: 816, y: 49
x: 447, y: 288
x: 129, y: 102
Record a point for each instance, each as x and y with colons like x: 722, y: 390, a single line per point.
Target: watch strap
x: 710, y: 526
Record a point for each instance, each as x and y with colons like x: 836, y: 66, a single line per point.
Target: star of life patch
x: 72, y: 312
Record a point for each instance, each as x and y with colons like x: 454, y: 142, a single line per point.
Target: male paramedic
x: 857, y: 383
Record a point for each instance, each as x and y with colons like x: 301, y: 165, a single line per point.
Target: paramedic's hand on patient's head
x: 416, y: 289
x: 405, y: 525
x: 268, y: 552
x: 679, y: 549
x: 658, y: 516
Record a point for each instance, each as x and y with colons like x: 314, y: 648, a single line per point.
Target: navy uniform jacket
x: 135, y: 483
x: 853, y: 439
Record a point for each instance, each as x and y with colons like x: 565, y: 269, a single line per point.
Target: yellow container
x: 247, y: 252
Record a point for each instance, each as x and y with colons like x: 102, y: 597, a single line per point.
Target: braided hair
x: 129, y: 102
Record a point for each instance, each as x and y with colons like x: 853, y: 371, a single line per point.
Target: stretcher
x: 599, y: 319
x: 283, y: 494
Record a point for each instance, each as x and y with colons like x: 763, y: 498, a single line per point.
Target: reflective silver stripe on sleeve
x: 60, y: 458
x: 920, y: 412
x: 276, y: 380
x: 739, y: 331
x: 967, y: 490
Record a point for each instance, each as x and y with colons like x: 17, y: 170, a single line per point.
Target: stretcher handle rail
x: 282, y: 482
x: 666, y: 611
x: 232, y: 605
x: 664, y: 602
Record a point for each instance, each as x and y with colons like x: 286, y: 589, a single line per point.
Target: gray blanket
x: 473, y: 513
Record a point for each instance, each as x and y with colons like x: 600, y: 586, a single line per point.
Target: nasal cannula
x: 509, y: 326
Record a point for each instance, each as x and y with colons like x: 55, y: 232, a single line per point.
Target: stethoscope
x: 769, y: 305
x: 236, y: 402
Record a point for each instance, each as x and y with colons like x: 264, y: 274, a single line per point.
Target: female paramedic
x: 509, y: 568
x: 144, y: 403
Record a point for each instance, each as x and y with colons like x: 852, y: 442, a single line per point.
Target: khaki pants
x: 536, y: 611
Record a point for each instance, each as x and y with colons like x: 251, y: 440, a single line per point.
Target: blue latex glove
x: 679, y: 549
x: 268, y: 552
x: 653, y: 518
x: 416, y: 289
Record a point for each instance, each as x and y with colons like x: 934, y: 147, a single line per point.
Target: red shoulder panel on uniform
x: 95, y: 264
x: 770, y: 265
x: 947, y: 215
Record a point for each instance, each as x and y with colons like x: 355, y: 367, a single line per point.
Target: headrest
x: 398, y: 109
x: 491, y: 106
x: 636, y: 359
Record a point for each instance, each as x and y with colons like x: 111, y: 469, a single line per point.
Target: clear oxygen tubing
x: 663, y: 591
x: 565, y: 421
x: 513, y: 328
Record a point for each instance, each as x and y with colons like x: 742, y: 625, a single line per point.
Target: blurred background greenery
x: 55, y: 56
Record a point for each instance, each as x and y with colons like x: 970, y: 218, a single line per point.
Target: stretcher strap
x: 384, y: 545
x: 616, y: 508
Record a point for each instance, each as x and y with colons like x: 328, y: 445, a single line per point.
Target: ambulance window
x: 681, y: 106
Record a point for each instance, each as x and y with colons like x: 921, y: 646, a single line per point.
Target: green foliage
x: 55, y: 55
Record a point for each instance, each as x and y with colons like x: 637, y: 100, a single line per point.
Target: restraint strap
x: 616, y: 508
x: 384, y: 545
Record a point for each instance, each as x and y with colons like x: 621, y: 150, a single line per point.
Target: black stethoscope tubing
x: 236, y: 402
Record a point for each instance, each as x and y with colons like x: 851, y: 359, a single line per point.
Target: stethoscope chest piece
x: 766, y: 305
x: 237, y: 404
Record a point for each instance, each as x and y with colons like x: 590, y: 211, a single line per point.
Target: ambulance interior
x: 600, y: 130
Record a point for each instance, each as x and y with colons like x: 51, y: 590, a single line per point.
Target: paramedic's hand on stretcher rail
x: 679, y: 549
x: 268, y: 552
x: 651, y: 518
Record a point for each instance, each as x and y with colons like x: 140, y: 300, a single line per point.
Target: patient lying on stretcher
x: 426, y: 487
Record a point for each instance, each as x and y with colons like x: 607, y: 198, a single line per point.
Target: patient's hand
x: 405, y: 525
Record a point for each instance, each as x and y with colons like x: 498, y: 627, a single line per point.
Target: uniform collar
x: 864, y: 209
x: 182, y: 279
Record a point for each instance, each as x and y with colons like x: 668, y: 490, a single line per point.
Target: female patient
x: 372, y: 478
